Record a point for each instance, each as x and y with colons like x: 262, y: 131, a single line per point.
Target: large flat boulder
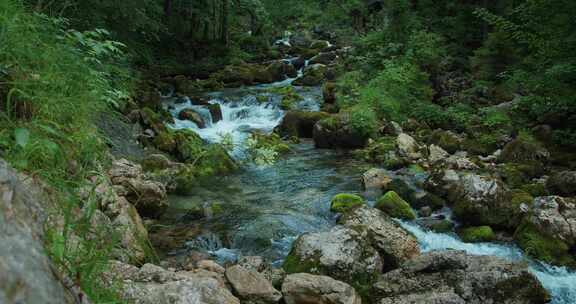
x: 304, y: 288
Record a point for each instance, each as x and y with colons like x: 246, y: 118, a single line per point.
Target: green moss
x: 402, y: 189
x: 535, y: 189
x: 395, y: 206
x: 292, y: 264
x: 520, y: 197
x: 477, y: 234
x: 165, y: 141
x: 518, y: 174
x: 430, y: 200
x: 543, y: 247
x: 445, y: 140
x: 344, y: 202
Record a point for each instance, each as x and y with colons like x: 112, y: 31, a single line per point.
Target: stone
x: 477, y: 234
x: 562, y: 183
x: 215, y: 112
x: 313, y: 75
x: 341, y: 253
x: 521, y: 149
x: 324, y: 58
x: 258, y: 264
x: 152, y: 284
x: 394, y: 244
x: 303, y: 288
x: 456, y: 277
x: 211, y: 266
x: 408, y: 147
x: 27, y: 274
x: 193, y: 116
x: 252, y: 286
x: 425, y: 211
x: 555, y: 216
x: 299, y: 124
x: 395, y: 206
x: 344, y: 202
x: 338, y: 131
x: 375, y: 179
x: 437, y: 154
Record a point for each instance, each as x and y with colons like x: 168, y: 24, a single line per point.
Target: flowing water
x: 262, y: 210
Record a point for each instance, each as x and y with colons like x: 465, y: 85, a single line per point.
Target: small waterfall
x: 559, y: 281
x: 239, y: 118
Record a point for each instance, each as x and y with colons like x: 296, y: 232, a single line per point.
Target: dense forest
x: 295, y: 151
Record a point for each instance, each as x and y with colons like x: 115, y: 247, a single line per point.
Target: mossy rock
x: 343, y: 202
x: 518, y: 174
x: 477, y: 234
x: 535, y: 189
x: 429, y: 200
x: 300, y: 124
x: 165, y: 141
x: 543, y: 247
x: 403, y: 190
x: 521, y: 150
x: 395, y: 206
x: 189, y: 145
x: 519, y: 197
x: 446, y: 140
x: 376, y: 151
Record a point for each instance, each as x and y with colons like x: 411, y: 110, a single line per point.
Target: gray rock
x: 394, y: 244
x: 375, y: 179
x: 562, y: 183
x: 456, y: 277
x: 26, y: 273
x: 342, y: 253
x: 303, y: 288
x: 556, y: 217
x: 252, y: 286
x: 408, y: 147
x: 152, y: 284
x: 437, y: 154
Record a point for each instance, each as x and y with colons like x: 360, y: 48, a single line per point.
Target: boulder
x: 562, y: 183
x: 324, y: 58
x: 341, y: 253
x: 149, y: 197
x: 215, y: 112
x: 394, y: 244
x: 520, y: 149
x: 252, y: 286
x: 319, y: 44
x: 27, y: 274
x: 447, y: 140
x: 408, y: 147
x: 152, y: 284
x: 193, y: 116
x: 299, y: 123
x: 303, y: 288
x: 548, y: 233
x: 375, y: 179
x: 477, y: 234
x: 337, y: 131
x: 329, y: 92
x: 392, y: 204
x: 436, y: 154
x: 313, y: 75
x: 344, y: 202
x: 478, y: 199
x: 456, y: 277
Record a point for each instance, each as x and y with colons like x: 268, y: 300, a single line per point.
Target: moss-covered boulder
x: 300, y: 124
x: 392, y: 204
x: 344, y: 202
x: 324, y: 58
x: 338, y: 131
x: 404, y: 190
x: 431, y: 200
x: 447, y: 140
x: 518, y: 174
x: 523, y: 149
x: 313, y: 75
x: 329, y: 92
x: 547, y: 232
x: 562, y: 183
x: 477, y: 234
x: 382, y: 152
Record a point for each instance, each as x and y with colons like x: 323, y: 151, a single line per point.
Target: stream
x: 262, y: 210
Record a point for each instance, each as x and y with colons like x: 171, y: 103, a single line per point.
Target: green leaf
x: 22, y: 137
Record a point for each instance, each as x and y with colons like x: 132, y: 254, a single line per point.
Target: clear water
x: 262, y: 210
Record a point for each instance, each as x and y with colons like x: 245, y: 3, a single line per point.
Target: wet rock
x: 393, y: 243
x: 215, y: 112
x: 154, y: 285
x: 252, y: 286
x: 562, y: 183
x: 437, y: 224
x: 303, y: 288
x: 341, y: 253
x: 149, y: 197
x: 408, y: 147
x: 191, y: 115
x: 299, y: 123
x: 27, y: 275
x: 425, y: 211
x: 456, y: 277
x: 375, y: 179
x: 338, y: 132
x: 313, y: 75
x: 324, y: 58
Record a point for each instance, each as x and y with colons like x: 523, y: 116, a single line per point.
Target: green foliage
x: 265, y: 149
